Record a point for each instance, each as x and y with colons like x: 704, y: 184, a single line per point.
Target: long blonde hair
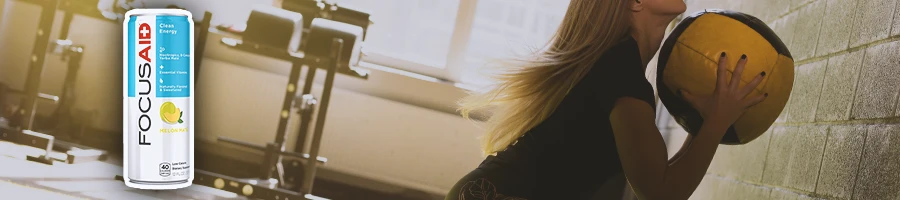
x: 528, y: 93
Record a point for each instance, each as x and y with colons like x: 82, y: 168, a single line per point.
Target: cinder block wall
x: 839, y: 137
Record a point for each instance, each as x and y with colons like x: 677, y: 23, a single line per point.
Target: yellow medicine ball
x: 689, y: 57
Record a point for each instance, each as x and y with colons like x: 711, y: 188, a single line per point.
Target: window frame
x: 452, y: 69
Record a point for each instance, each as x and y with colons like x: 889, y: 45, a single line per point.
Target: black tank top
x: 573, y: 152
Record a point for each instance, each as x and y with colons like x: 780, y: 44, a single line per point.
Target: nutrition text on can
x: 158, y: 87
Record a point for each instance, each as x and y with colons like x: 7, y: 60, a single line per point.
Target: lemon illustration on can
x: 170, y: 114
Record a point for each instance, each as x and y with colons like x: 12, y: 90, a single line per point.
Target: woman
x: 582, y: 111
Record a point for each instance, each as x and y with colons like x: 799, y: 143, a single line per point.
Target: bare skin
x: 642, y: 149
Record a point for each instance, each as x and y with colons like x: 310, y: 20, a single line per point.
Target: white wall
x: 364, y: 135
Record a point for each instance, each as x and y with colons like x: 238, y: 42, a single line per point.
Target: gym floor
x: 97, y: 180
x: 88, y: 180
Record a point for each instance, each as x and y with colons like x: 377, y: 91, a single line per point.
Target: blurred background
x: 395, y: 133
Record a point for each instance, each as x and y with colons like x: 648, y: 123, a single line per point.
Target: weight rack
x: 272, y: 161
x: 275, y: 156
x: 20, y: 127
x: 23, y: 134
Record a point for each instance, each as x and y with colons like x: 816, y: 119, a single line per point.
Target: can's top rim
x: 158, y: 14
x: 166, y: 11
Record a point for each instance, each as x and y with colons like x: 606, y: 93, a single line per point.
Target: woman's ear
x: 636, y: 5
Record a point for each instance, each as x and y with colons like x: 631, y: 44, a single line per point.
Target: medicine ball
x: 689, y: 57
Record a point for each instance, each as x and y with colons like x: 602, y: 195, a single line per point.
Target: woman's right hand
x: 728, y: 102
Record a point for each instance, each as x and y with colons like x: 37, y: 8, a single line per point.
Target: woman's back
x: 573, y: 152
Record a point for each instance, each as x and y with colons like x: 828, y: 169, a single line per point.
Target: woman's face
x: 664, y: 7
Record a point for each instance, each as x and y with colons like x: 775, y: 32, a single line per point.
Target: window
x: 454, y: 39
x: 413, y: 35
x: 445, y: 39
x: 507, y: 29
x: 224, y: 11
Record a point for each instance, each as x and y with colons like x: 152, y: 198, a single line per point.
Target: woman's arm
x: 643, y: 151
x: 644, y: 158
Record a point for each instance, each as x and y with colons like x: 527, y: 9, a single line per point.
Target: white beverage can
x: 158, y: 98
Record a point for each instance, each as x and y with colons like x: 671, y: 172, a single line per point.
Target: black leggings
x: 489, y: 182
x: 481, y: 185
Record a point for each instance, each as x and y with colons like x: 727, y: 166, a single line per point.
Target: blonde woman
x: 582, y: 111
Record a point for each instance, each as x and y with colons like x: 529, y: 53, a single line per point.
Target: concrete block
x: 742, y: 162
x: 895, y: 30
x: 674, y: 141
x: 838, y: 21
x: 841, y: 77
x: 707, y: 189
x: 766, y: 10
x: 670, y: 121
x: 733, y: 189
x: 784, y: 27
x: 794, y: 158
x: 879, y: 173
x: 699, y: 5
x: 798, y: 3
x: 841, y: 159
x: 780, y: 194
x: 806, y: 34
x: 879, y: 83
x: 735, y: 5
x: 692, y: 7
x: 805, y: 94
x: 715, y: 188
x: 872, y: 22
x: 783, y: 116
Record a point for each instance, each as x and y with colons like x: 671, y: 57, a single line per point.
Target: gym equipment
x: 322, y: 45
x: 689, y: 58
x: 320, y: 9
x: 351, y: 34
x: 294, y: 172
x: 312, y: 9
x: 268, y: 26
x: 20, y: 127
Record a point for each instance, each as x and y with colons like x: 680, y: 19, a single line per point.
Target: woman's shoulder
x: 623, y: 58
x: 619, y: 72
x: 621, y: 61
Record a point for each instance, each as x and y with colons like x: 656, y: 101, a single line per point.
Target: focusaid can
x: 158, y: 88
